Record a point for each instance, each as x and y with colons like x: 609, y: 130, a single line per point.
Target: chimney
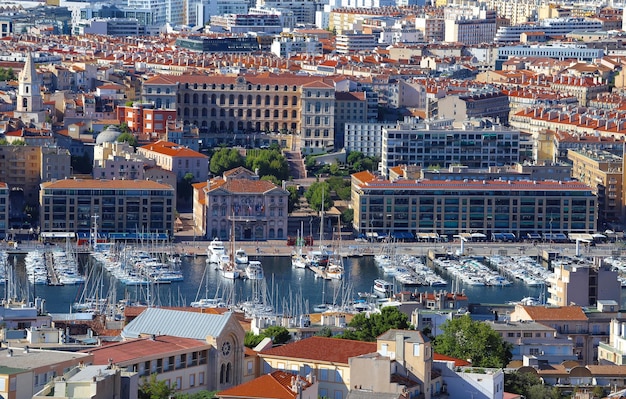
x: 400, y: 347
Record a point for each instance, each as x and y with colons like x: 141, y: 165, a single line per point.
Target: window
x: 192, y: 380
x: 201, y: 378
x: 179, y: 382
x: 249, y: 368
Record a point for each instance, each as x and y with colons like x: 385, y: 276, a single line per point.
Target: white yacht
x: 254, y: 270
x: 228, y: 268
x: 241, y: 257
x: 215, y: 251
x: 383, y: 288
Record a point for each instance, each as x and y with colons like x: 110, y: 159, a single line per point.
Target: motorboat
x: 208, y: 303
x: 241, y: 257
x: 228, y: 268
x: 383, y: 288
x: 254, y: 270
x: 215, y: 251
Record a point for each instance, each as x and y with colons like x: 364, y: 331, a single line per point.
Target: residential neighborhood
x: 312, y: 199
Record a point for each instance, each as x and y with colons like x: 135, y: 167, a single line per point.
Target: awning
x: 580, y: 237
x: 426, y: 236
x: 370, y: 234
x: 478, y: 235
x: 598, y: 235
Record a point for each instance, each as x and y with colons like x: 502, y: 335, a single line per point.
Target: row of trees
x: 7, y: 74
x: 270, y: 163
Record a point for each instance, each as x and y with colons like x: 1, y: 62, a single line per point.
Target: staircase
x: 297, y: 170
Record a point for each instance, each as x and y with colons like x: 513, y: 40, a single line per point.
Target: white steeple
x: 29, y: 100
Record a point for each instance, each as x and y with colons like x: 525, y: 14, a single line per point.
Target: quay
x: 53, y: 278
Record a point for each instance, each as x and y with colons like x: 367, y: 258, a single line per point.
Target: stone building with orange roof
x: 275, y: 385
x: 255, y: 209
x: 178, y: 159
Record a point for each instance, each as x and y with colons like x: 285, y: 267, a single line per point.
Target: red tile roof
x: 457, y: 362
x: 322, y: 349
x: 172, y: 149
x: 276, y: 385
x: 548, y: 313
x: 131, y: 350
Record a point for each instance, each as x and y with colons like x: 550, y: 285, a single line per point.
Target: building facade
x: 116, y: 206
x: 489, y: 206
x: 238, y: 201
x: 177, y: 159
x: 583, y: 284
x: 602, y: 171
x: 438, y: 144
x: 366, y: 138
x: 298, y: 105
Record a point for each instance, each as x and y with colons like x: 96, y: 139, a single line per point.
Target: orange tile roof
x: 173, y: 150
x: 457, y: 362
x: 245, y: 186
x: 276, y: 385
x: 128, y: 351
x: 322, y: 349
x: 106, y: 184
x: 546, y: 313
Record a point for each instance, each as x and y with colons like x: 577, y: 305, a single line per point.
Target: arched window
x: 267, y: 100
x: 249, y: 113
x: 231, y: 99
x: 258, y: 113
x: 222, y: 99
x: 285, y: 114
x: 249, y: 99
x: 294, y: 100
x: 276, y: 100
x: 280, y: 233
x: 228, y: 373
x: 240, y: 100
x: 222, y: 112
x: 25, y: 104
x: 194, y: 112
x: 186, y: 111
x: 285, y: 100
x: 258, y: 100
x: 275, y: 113
x: 294, y: 114
x: 213, y: 98
x: 212, y: 111
x: 267, y: 113
x: 204, y: 112
x: 195, y: 98
x: 271, y: 233
x: 204, y: 98
x: 231, y: 112
x: 186, y: 98
x: 222, y: 373
x: 158, y: 103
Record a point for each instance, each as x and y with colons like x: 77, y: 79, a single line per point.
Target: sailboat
x: 227, y: 265
x: 322, y: 307
x: 207, y: 302
x: 298, y: 259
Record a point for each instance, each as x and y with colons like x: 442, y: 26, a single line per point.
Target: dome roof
x: 108, y: 135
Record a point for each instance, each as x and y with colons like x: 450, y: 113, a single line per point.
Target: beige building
x: 602, y: 171
x: 582, y: 284
x: 95, y: 382
x: 328, y: 359
x: 409, y: 356
x: 255, y: 209
x: 177, y: 159
x: 24, y: 371
x: 25, y: 167
x: 183, y: 363
x: 116, y: 206
x: 301, y: 106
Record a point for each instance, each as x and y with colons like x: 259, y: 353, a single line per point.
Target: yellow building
x: 326, y: 358
x: 603, y: 172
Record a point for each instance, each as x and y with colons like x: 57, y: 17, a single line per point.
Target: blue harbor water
x: 291, y: 290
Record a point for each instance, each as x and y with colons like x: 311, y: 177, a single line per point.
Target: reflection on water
x: 295, y: 290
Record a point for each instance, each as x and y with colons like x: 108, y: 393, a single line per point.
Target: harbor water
x: 287, y: 289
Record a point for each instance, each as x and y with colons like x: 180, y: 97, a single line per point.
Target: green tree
x: 354, y: 156
x: 124, y: 128
x: 314, y: 196
x: 324, y: 332
x: 7, y: 74
x: 4, y: 141
x: 196, y: 395
x: 294, y: 197
x: 363, y: 328
x: 225, y: 159
x: 268, y: 162
x: 128, y: 138
x: 18, y: 143
x: 251, y: 339
x: 184, y: 189
x: 154, y: 389
x: 347, y: 216
x: 465, y: 338
x: 280, y: 335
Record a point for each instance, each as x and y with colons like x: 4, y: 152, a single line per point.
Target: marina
x: 286, y: 286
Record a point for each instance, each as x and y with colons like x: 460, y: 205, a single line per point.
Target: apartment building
x: 177, y: 159
x: 25, y: 167
x: 483, y: 103
x: 26, y: 371
x: 441, y: 143
x: 602, y: 171
x: 347, y: 43
x: 183, y: 363
x: 454, y: 207
x: 366, y: 138
x: 117, y: 206
x: 614, y: 351
x: 533, y: 339
x: 297, y: 105
x: 474, y: 30
x: 582, y: 283
x: 145, y: 118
